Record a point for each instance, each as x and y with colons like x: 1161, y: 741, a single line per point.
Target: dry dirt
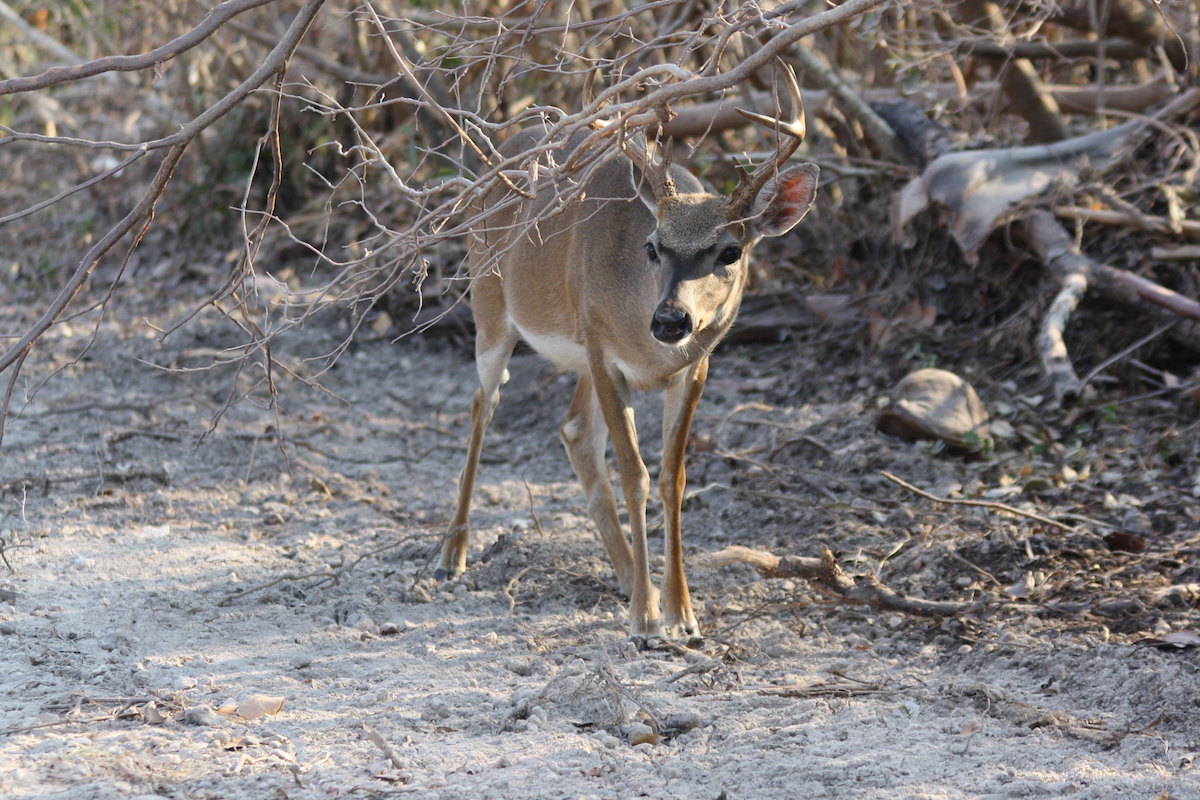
x: 157, y: 570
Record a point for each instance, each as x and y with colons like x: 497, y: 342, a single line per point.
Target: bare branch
x: 143, y: 211
x: 213, y: 20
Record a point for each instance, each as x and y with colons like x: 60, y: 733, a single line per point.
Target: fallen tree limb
x: 981, y: 188
x: 826, y: 576
x: 1055, y: 247
x: 1077, y: 272
x: 1145, y: 222
x: 1029, y: 94
x: 1073, y: 271
x: 1186, y: 252
x: 717, y: 115
x: 1052, y: 346
x: 1079, y: 48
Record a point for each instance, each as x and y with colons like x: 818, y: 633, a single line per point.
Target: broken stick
x: 826, y: 575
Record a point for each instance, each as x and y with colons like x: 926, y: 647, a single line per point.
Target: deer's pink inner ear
x: 785, y: 199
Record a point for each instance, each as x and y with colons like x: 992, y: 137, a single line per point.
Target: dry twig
x: 988, y: 504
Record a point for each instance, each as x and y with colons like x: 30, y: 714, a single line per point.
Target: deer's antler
x: 655, y: 168
x: 749, y: 186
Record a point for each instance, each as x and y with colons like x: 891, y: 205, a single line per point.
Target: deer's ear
x: 785, y: 199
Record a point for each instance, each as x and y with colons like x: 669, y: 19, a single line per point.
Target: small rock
x: 203, y: 715
x: 152, y: 715
x: 520, y: 666
x: 901, y: 517
x: 115, y: 641
x: 1135, y: 521
x: 435, y: 711
x: 639, y: 733
x: 183, y: 682
x: 8, y: 628
x: 939, y: 405
x: 681, y: 722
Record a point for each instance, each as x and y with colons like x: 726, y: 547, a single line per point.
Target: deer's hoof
x: 442, y: 574
x: 643, y: 643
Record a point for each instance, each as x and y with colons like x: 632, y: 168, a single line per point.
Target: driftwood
x: 979, y: 188
x: 826, y: 576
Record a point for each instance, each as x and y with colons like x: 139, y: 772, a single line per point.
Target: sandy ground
x: 161, y: 575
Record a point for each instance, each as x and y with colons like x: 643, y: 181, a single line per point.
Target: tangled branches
x: 411, y: 116
x: 351, y: 141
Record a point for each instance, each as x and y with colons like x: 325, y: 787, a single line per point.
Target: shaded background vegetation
x: 333, y: 174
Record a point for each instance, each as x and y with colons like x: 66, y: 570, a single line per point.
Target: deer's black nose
x: 670, y: 324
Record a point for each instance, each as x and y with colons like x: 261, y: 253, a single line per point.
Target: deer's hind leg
x: 495, y: 339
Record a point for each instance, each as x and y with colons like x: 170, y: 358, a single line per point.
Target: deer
x: 630, y: 284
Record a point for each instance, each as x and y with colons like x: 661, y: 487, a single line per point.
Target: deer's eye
x: 651, y: 253
x: 729, y: 255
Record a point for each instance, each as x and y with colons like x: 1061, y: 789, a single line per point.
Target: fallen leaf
x: 1123, y: 542
x: 1019, y: 590
x: 1175, y: 640
x: 259, y: 705
x: 1182, y: 638
x: 647, y: 738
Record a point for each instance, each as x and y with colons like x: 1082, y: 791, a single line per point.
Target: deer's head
x: 701, y: 242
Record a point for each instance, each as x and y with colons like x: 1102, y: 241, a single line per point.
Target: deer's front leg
x: 679, y: 405
x: 494, y: 343
x: 613, y: 394
x: 585, y: 435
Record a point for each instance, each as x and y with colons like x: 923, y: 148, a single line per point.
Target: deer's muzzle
x: 670, y: 324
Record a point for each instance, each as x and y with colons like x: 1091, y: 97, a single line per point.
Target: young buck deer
x: 631, y: 286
